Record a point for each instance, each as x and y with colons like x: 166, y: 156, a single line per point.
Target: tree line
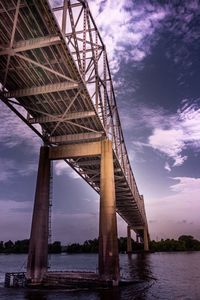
x: 21, y: 246
x: 184, y: 243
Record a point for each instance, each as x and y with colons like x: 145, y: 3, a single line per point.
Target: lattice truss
x: 89, y: 52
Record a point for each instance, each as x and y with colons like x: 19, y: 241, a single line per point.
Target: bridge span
x: 55, y: 73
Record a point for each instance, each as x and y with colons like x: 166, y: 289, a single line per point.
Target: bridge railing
x: 89, y: 52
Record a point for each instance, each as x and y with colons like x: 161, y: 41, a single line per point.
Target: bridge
x: 55, y: 73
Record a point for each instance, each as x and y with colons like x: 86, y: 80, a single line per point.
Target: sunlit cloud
x: 182, y: 133
x: 171, y: 134
x: 127, y: 29
x: 62, y: 168
x: 167, y: 167
x: 170, y: 142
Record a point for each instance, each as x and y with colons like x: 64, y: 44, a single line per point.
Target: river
x: 158, y: 275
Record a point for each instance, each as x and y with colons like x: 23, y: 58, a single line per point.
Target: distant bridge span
x: 55, y: 72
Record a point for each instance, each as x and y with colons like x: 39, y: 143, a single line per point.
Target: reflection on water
x: 108, y: 294
x: 155, y: 276
x: 139, y: 266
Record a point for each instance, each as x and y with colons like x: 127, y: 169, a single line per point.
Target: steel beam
x: 69, y: 116
x: 49, y: 88
x: 33, y: 62
x: 31, y: 44
x: 90, y: 172
x: 121, y: 189
x: 71, y: 138
x: 88, y: 163
x: 66, y: 111
x: 138, y: 228
x: 76, y: 150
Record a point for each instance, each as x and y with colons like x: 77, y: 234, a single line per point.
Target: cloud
x: 142, y: 116
x: 62, y: 168
x: 170, y: 142
x: 181, y: 24
x: 11, y: 168
x: 128, y: 30
x: 182, y: 133
x: 177, y: 213
x: 14, y: 132
x: 186, y: 186
x: 167, y: 167
x: 171, y: 134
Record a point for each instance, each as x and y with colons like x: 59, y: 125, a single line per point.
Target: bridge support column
x: 38, y: 248
x: 108, y: 243
x: 137, y: 238
x: 146, y: 240
x: 129, y: 244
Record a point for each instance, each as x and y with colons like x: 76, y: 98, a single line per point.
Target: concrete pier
x: 108, y: 243
x: 146, y: 239
x: 38, y: 248
x: 129, y: 244
x: 137, y: 238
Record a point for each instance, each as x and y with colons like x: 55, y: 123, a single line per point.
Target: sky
x: 153, y: 49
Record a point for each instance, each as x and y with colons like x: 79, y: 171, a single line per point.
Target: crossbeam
x: 79, y: 137
x: 56, y: 118
x: 44, y: 89
x: 75, y: 150
x: 31, y: 44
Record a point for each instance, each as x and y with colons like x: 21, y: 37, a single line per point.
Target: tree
x: 189, y: 242
x: 9, y: 246
x: 21, y: 246
x: 55, y: 247
x: 1, y: 247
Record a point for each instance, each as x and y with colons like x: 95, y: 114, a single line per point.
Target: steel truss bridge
x: 55, y: 73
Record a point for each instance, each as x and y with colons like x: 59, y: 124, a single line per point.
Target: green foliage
x: 89, y: 246
x: 55, y: 247
x: 184, y: 243
x: 92, y: 246
x: 122, y: 243
x: 1, y: 246
x: 21, y: 246
x: 8, y: 246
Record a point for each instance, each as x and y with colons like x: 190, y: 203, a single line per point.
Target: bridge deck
x: 40, y: 77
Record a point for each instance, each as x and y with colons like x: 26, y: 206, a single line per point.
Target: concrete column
x: 146, y: 240
x: 108, y: 243
x: 38, y: 248
x: 129, y: 244
x: 137, y: 238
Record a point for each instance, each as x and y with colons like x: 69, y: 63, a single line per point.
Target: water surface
x: 158, y: 276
